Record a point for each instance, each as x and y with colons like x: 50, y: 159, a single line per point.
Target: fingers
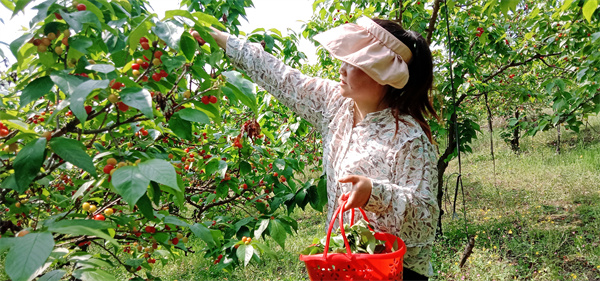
x: 350, y: 178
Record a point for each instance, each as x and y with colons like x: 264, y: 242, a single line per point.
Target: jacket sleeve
x: 311, y: 98
x: 411, y: 191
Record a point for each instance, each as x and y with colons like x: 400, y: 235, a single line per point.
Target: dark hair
x: 413, y: 99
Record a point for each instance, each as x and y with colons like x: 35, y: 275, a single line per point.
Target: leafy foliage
x: 127, y: 129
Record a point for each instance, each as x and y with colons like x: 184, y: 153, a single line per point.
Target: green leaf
x: 244, y: 253
x: 16, y: 45
x: 19, y: 6
x: 120, y: 58
x: 203, y: 232
x: 242, y: 222
x: 172, y: 63
x: 261, y: 228
x: 93, y: 274
x: 138, y: 98
x: 243, y: 89
x: 81, y: 93
x: 277, y: 231
x: 130, y: 183
x: 216, y: 165
x: 76, y: 20
x: 245, y: 168
x: 54, y: 275
x: 73, y: 152
x: 6, y: 243
x: 159, y: 171
x: 145, y: 206
x: 193, y: 115
x: 10, y: 183
x: 505, y: 5
x: 83, y: 227
x: 66, y: 82
x: 80, y: 43
x: 28, y: 254
x: 102, y: 68
x: 180, y: 127
x: 266, y: 249
x: 36, y: 89
x: 175, y: 221
x: 199, y: 18
x: 188, y: 46
x: 588, y: 9
x: 566, y: 5
x: 28, y: 163
x: 8, y: 4
x: 140, y: 31
x: 169, y: 32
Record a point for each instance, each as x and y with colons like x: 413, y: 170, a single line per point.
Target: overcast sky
x: 266, y: 14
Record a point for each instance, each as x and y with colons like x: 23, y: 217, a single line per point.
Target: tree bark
x: 441, y: 168
x: 433, y: 20
x: 399, y: 13
x: 514, y: 142
x: 558, y: 139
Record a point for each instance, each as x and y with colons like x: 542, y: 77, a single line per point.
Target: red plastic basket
x: 348, y: 266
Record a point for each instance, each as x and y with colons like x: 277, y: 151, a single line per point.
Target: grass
x: 537, y: 217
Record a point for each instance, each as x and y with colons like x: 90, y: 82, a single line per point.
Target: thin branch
x: 432, y: 21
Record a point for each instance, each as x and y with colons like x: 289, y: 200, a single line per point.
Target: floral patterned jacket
x: 401, y: 166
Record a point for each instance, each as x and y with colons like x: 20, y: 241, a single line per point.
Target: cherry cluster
x: 479, y: 31
x: 209, y: 99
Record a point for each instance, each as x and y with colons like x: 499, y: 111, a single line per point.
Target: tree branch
x: 432, y: 21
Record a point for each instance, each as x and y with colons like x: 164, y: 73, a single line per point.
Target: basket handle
x: 339, y: 212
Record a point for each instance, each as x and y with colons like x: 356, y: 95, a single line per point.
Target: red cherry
x: 156, y: 77
x: 3, y: 132
x: 213, y: 99
x: 81, y: 7
x: 108, y: 168
x: 122, y: 106
x: 145, y: 46
x: 163, y: 73
x: 145, y: 65
x: 144, y: 132
x: 135, y: 66
x: 143, y: 40
x: 58, y: 16
x: 205, y: 99
x: 158, y: 54
x: 99, y: 217
x: 175, y: 241
x: 88, y: 109
x: 150, y: 229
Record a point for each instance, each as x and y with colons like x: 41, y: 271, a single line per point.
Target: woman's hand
x: 219, y: 36
x: 361, y: 191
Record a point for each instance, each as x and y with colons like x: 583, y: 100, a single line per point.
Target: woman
x: 377, y: 146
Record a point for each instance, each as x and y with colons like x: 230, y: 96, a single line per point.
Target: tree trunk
x: 558, y: 139
x: 399, y: 13
x: 514, y: 142
x: 441, y: 168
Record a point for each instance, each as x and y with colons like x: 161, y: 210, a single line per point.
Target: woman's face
x: 357, y: 85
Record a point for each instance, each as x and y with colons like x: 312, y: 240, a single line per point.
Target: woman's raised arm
x: 311, y: 98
